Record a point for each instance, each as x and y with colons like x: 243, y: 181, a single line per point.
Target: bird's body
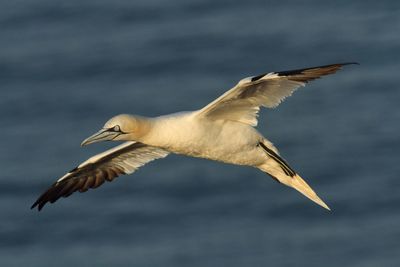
x: 187, y: 134
x: 223, y: 130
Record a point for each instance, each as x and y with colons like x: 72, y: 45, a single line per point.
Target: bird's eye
x: 116, y: 128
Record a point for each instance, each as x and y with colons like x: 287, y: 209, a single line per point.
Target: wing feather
x: 242, y: 102
x: 106, y: 166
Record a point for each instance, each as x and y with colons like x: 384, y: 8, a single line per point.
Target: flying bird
x: 224, y: 130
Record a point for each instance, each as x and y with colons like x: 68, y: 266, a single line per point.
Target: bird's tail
x: 295, y: 182
x: 300, y: 185
x: 278, y: 168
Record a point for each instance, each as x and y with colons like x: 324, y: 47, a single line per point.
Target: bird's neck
x: 143, y: 127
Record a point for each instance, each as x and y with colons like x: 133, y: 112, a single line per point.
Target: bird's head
x: 122, y: 127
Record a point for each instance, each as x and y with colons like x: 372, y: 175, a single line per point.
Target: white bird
x: 222, y: 131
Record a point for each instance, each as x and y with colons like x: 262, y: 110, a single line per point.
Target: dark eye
x: 116, y: 128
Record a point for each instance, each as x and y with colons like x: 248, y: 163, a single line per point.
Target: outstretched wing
x: 123, y: 159
x: 242, y: 102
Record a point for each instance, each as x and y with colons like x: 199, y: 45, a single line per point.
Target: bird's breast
x: 229, y: 142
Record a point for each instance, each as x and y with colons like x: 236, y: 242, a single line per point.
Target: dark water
x: 66, y: 67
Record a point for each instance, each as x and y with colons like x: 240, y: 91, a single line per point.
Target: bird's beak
x: 102, y: 135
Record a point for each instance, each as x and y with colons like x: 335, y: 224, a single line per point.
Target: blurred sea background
x: 68, y: 66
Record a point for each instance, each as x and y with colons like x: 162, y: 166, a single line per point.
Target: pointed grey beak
x: 102, y: 135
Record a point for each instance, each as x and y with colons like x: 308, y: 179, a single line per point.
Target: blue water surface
x: 66, y: 67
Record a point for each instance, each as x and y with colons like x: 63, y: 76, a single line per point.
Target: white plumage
x: 222, y: 131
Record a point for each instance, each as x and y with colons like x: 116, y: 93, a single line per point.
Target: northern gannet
x: 224, y: 130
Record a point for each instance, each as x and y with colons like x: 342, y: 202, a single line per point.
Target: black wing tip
x: 49, y: 196
x: 39, y: 208
x: 67, y: 187
x: 300, y: 71
x: 34, y: 205
x: 256, y: 78
x: 39, y: 203
x: 350, y: 63
x: 341, y: 64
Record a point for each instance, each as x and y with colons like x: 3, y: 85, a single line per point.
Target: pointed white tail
x: 300, y: 185
x: 295, y: 182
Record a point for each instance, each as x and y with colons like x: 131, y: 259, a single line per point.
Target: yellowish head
x: 122, y: 127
